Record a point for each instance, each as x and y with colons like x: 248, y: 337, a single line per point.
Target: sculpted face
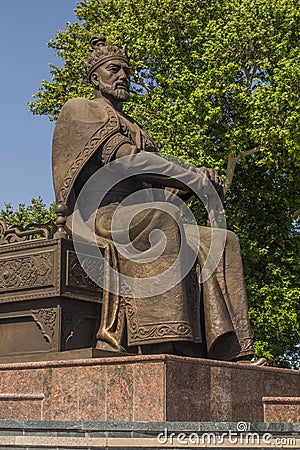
x: 113, y: 79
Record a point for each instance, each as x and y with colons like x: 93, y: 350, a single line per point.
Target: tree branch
x: 221, y: 115
x: 295, y: 214
x: 232, y: 160
x: 140, y: 81
x: 250, y: 76
x: 249, y: 152
x: 223, y: 121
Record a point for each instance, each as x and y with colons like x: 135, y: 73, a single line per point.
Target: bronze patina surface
x: 207, y: 320
x: 47, y: 302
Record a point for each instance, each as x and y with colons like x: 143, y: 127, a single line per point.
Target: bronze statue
x: 188, y: 318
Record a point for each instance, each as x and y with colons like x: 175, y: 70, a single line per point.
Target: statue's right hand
x: 210, y: 181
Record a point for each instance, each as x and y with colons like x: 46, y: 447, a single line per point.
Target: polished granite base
x: 141, y: 388
x: 281, y: 409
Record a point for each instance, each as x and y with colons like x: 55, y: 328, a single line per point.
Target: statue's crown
x: 99, y: 53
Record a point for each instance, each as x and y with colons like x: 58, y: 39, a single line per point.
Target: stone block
x: 153, y: 388
x: 281, y: 409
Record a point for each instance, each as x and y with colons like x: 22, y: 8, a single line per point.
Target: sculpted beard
x: 119, y: 93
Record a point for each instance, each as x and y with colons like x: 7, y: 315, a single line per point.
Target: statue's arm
x: 152, y: 168
x: 184, y: 194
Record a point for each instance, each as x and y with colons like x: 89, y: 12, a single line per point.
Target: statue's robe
x: 208, y: 320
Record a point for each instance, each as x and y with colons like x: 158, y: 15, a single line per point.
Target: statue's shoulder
x: 82, y: 126
x: 83, y: 109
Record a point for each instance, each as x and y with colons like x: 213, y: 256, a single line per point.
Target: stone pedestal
x: 141, y: 388
x: 47, y: 302
x: 281, y: 409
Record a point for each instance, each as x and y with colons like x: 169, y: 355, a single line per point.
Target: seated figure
x: 185, y: 317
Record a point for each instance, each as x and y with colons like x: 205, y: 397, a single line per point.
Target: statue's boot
x: 106, y: 341
x: 257, y: 362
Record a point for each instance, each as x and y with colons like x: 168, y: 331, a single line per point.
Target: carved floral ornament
x: 26, y: 271
x: 77, y: 273
x: 14, y: 234
x: 46, y: 318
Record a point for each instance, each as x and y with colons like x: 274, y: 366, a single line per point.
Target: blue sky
x: 26, y: 27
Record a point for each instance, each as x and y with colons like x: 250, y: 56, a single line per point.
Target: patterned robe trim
x: 112, y: 145
x: 107, y: 129
x: 152, y: 332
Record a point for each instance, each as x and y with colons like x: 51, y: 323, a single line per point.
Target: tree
x: 36, y: 212
x: 216, y: 82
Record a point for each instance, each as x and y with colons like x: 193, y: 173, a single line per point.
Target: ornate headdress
x: 99, y: 53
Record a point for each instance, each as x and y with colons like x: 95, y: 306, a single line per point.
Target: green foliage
x: 218, y: 83
x: 258, y: 209
x: 206, y: 80
x: 36, y: 212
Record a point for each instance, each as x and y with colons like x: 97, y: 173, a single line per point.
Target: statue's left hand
x: 215, y: 179
x: 212, y: 175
